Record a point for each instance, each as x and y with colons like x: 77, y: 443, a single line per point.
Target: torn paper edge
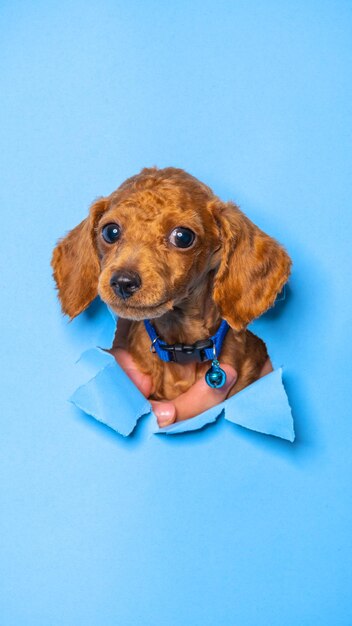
x: 262, y: 406
x: 275, y: 419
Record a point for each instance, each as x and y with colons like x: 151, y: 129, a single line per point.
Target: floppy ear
x: 76, y: 265
x: 253, y: 268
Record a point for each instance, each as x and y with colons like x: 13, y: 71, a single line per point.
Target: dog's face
x: 154, y: 248
x: 146, y: 247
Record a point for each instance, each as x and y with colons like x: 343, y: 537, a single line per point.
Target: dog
x: 164, y: 248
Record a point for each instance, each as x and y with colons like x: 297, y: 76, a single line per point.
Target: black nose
x: 125, y: 283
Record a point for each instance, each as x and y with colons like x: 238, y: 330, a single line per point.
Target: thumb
x: 165, y: 412
x: 200, y: 397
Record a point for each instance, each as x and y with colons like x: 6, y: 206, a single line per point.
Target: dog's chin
x: 140, y: 312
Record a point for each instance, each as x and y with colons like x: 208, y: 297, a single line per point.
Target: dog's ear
x: 76, y: 265
x: 253, y: 267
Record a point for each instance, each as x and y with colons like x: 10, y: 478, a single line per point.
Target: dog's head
x: 147, y: 246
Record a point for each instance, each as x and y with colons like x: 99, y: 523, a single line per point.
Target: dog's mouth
x: 125, y: 309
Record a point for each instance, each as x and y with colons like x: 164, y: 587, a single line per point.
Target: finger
x: 142, y: 381
x: 165, y: 412
x: 200, y: 397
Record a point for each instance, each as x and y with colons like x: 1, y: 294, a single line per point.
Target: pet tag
x: 215, y: 377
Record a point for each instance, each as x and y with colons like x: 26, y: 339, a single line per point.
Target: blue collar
x: 202, y: 350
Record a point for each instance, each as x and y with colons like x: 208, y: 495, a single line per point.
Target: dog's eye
x: 182, y: 237
x: 111, y: 233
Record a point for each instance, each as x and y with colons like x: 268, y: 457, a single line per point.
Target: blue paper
x: 262, y: 406
x: 223, y: 526
x: 112, y: 398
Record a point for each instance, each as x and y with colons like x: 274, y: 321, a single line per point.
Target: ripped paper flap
x: 112, y: 398
x: 262, y: 406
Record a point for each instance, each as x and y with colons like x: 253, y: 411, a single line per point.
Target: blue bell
x: 215, y: 377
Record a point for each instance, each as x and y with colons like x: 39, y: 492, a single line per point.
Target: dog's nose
x: 125, y: 283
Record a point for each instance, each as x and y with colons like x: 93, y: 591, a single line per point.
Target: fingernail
x: 165, y: 413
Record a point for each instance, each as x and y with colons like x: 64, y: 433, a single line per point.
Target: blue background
x: 224, y: 526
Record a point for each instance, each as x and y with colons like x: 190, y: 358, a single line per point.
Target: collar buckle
x: 183, y: 353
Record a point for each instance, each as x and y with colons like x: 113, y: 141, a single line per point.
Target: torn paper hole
x: 112, y: 398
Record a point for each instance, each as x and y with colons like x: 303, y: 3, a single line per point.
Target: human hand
x: 198, y: 398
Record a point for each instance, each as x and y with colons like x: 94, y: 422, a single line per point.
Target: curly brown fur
x: 232, y: 271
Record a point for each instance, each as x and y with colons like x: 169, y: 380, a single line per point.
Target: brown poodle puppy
x: 163, y: 247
